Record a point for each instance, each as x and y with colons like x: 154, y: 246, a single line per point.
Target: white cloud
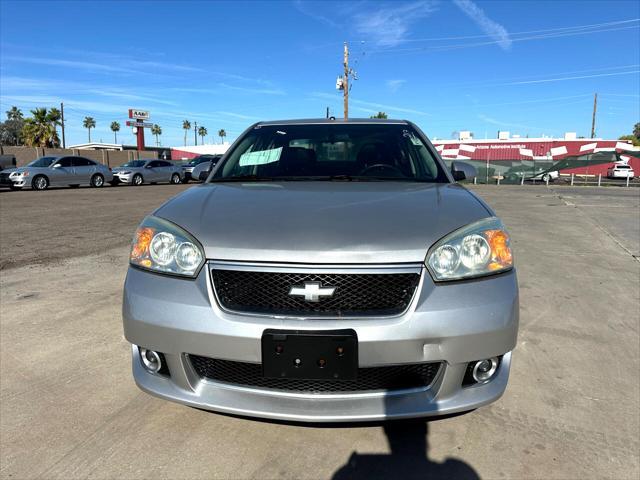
x: 493, y: 29
x: 307, y: 8
x: 389, y: 26
x: 361, y: 103
x: 394, y: 85
x: 389, y: 108
x: 500, y: 123
x: 261, y: 91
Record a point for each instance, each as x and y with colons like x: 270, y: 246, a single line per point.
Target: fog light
x: 151, y: 360
x: 484, y: 370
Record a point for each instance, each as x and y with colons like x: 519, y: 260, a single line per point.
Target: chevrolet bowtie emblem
x: 312, y: 291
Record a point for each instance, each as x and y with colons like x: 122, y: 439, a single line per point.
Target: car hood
x: 322, y: 222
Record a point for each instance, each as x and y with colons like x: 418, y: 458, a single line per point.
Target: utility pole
x: 62, y: 120
x: 327, y: 112
x: 593, y: 119
x: 345, y: 85
x: 195, y: 132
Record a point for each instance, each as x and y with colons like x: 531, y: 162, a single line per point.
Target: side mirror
x: 57, y: 165
x: 463, y: 171
x: 203, y: 175
x: 148, y: 166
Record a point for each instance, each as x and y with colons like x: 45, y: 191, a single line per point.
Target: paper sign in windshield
x: 261, y: 157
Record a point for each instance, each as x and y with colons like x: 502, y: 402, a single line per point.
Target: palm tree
x: 222, y: 134
x: 202, y: 132
x: 156, y: 130
x: 89, y: 123
x: 40, y: 130
x: 55, y: 117
x: 14, y: 114
x: 379, y: 115
x: 186, y: 126
x: 115, y: 128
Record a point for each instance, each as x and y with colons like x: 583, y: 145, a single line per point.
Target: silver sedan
x: 325, y: 271
x: 58, y: 171
x: 137, y: 172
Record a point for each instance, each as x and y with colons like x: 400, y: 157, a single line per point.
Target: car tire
x: 97, y: 181
x: 137, y: 180
x: 175, y: 179
x: 546, y: 177
x: 40, y: 182
x: 185, y: 180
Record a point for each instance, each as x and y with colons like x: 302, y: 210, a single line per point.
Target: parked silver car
x: 326, y: 271
x: 137, y: 172
x: 52, y: 171
x: 201, y: 171
x: 197, y: 164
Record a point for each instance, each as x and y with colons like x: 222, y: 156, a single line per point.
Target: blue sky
x: 527, y: 67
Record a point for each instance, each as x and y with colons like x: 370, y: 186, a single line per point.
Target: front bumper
x: 19, y: 181
x: 453, y: 323
x: 122, y: 178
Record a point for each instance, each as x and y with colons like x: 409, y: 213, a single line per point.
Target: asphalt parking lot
x: 69, y: 407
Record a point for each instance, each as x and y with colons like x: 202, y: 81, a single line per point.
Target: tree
x: 89, y: 123
x: 379, y: 115
x: 115, y: 128
x: 11, y: 129
x: 222, y: 134
x: 202, y: 132
x: 156, y: 130
x: 55, y: 117
x: 40, y: 130
x: 186, y: 126
x: 634, y: 140
x: 14, y: 113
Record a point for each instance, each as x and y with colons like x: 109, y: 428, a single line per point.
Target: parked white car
x: 547, y: 176
x: 620, y: 171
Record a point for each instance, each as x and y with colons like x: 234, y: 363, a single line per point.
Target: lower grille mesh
x: 393, y: 377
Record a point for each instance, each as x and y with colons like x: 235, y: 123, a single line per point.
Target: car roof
x: 337, y: 121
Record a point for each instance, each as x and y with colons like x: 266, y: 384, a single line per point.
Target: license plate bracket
x: 310, y: 354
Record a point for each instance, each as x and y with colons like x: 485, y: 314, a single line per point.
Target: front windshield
x: 42, y: 162
x: 134, y: 164
x: 358, y: 152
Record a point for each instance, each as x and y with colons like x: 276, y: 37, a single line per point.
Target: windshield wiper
x: 243, y: 178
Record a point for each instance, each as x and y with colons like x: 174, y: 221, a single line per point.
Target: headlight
x: 162, y: 246
x: 19, y: 174
x: 482, y: 248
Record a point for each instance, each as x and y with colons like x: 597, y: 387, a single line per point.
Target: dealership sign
x: 138, y: 114
x: 137, y: 123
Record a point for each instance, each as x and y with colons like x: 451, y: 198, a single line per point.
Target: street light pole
x: 195, y: 132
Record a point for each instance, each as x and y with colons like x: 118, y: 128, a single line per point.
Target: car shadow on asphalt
x: 408, y: 444
x: 408, y: 458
